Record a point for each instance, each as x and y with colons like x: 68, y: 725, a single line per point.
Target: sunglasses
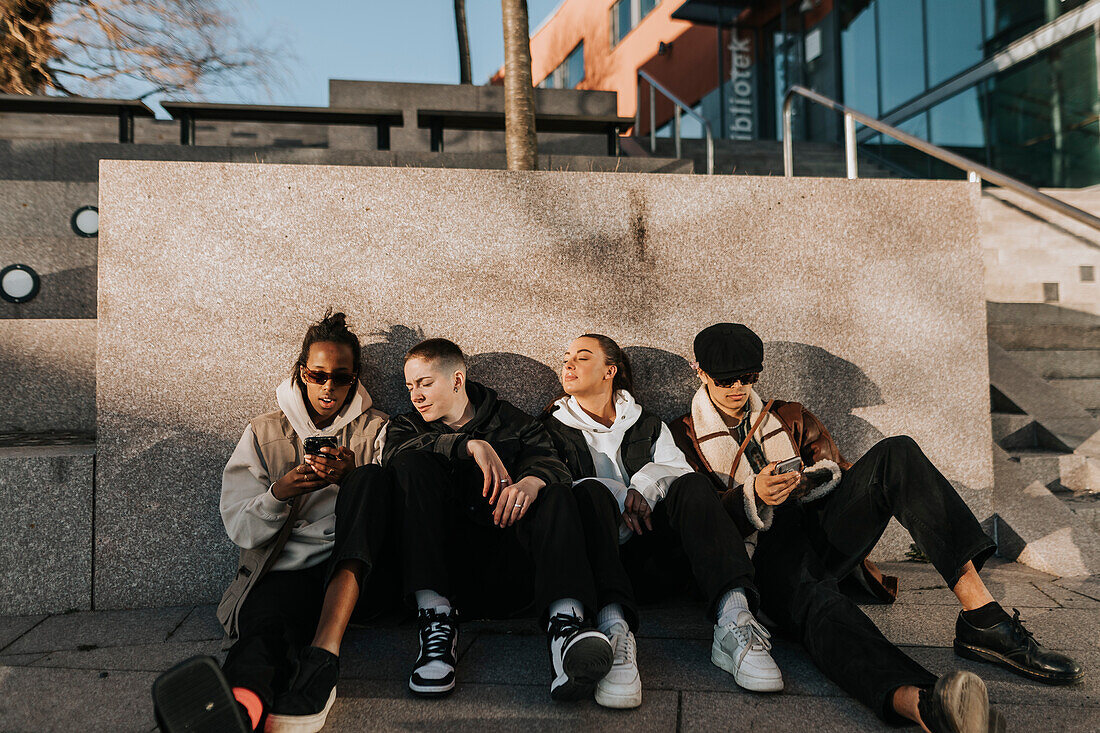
x: 343, y: 379
x: 745, y: 379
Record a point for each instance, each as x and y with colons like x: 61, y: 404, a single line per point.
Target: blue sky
x: 380, y: 40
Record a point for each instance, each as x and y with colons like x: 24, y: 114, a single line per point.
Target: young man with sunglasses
x: 813, y: 523
x: 491, y: 525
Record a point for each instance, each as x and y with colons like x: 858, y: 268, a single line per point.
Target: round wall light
x: 85, y: 221
x: 19, y: 283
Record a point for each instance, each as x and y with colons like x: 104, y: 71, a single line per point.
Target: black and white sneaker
x: 579, y: 657
x: 434, y: 672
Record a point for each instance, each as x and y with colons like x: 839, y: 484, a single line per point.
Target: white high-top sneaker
x: 622, y: 686
x: 741, y: 648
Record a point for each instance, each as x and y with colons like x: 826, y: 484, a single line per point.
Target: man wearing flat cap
x: 811, y: 518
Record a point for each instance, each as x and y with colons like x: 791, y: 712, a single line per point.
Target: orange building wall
x: 691, y: 64
x: 689, y: 69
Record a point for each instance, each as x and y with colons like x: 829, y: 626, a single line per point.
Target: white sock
x: 731, y: 606
x: 568, y: 606
x: 610, y: 615
x: 429, y: 600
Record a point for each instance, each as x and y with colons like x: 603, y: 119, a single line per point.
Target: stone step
x: 1044, y: 336
x: 1084, y: 391
x: 1060, y: 363
x: 1058, y: 471
x: 1086, y: 507
x: 1037, y: 528
x: 1006, y: 425
x: 1025, y: 314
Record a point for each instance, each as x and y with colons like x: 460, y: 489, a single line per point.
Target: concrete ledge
x: 46, y: 508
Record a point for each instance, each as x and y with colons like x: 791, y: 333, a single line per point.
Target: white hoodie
x: 251, y: 513
x: 652, y: 481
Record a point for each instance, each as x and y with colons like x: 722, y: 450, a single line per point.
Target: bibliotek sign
x: 742, y: 100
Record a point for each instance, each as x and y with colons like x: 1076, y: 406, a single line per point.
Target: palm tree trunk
x: 519, y: 95
x: 465, y: 77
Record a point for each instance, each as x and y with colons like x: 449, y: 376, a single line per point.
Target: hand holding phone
x: 791, y: 464
x: 314, y: 444
x: 772, y: 486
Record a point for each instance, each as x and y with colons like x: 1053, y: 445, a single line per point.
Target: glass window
x: 646, y: 6
x: 957, y: 123
x: 620, y: 20
x: 1043, y: 126
x: 901, y: 44
x: 569, y: 73
x: 575, y: 66
x: 954, y: 37
x: 858, y: 46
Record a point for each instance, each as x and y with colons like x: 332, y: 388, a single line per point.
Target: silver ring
x: 519, y: 503
x: 504, y: 480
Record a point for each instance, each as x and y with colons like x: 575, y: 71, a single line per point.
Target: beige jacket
x: 295, y: 534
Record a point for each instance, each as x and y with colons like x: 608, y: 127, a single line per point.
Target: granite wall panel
x: 867, y: 293
x: 46, y: 510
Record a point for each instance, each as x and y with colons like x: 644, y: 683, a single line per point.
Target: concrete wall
x: 410, y: 97
x: 354, y: 94
x: 46, y: 507
x: 209, y: 273
x: 1026, y: 245
x: 35, y: 230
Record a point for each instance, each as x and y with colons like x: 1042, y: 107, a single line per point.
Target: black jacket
x: 636, y: 449
x: 521, y: 441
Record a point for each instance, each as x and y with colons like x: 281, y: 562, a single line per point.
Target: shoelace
x: 436, y: 636
x: 563, y: 624
x: 1018, y: 627
x: 753, y: 636
x: 624, y: 650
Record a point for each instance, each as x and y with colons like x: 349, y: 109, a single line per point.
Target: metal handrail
x: 975, y: 171
x: 678, y: 106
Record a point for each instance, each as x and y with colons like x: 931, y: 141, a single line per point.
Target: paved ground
x: 91, y: 671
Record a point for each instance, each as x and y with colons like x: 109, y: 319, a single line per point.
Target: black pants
x: 692, y: 537
x: 452, y: 547
x: 281, y: 612
x: 809, y: 547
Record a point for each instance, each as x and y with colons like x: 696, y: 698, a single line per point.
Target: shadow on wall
x: 829, y: 387
x: 664, y: 382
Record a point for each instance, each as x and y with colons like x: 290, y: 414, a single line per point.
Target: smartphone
x: 791, y: 464
x: 317, y: 442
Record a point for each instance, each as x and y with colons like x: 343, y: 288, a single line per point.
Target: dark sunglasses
x: 343, y: 379
x: 745, y: 379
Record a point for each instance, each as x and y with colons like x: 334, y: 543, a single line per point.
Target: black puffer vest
x: 636, y: 449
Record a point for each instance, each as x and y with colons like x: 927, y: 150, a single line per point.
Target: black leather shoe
x: 1010, y: 645
x: 959, y: 703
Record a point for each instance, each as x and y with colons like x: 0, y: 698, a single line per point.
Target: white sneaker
x: 622, y: 686
x: 741, y: 648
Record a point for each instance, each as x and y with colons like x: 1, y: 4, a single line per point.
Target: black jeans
x: 809, y: 547
x: 452, y: 547
x: 692, y: 537
x: 281, y: 612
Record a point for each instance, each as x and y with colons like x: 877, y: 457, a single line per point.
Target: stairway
x: 1058, y: 344
x: 762, y: 157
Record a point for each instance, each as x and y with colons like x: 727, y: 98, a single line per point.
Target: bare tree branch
x: 118, y: 47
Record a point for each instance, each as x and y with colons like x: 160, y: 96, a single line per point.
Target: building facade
x: 1010, y: 83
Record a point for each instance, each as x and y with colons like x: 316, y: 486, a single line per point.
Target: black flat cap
x: 727, y: 350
